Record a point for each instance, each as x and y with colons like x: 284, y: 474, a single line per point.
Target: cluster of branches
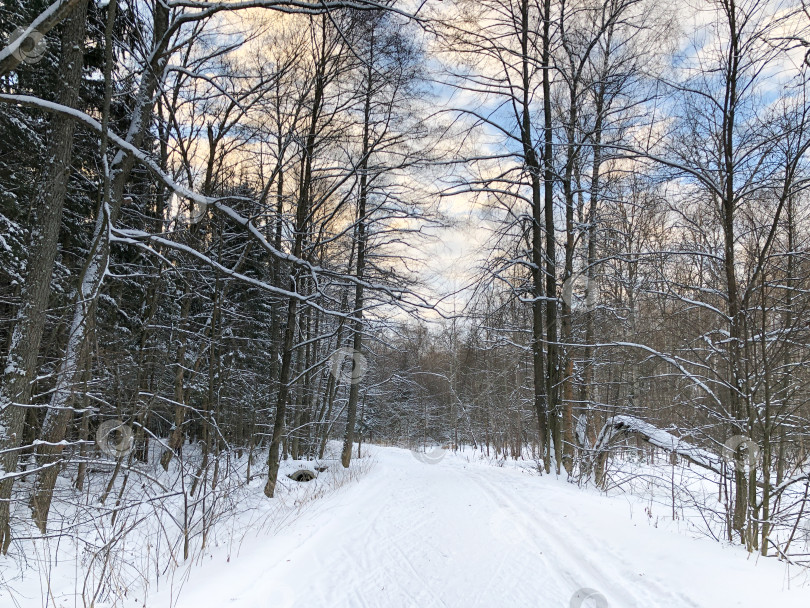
x: 201, y: 203
x: 645, y: 194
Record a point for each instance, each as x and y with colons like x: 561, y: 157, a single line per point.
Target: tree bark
x: 60, y: 413
x: 357, y: 323
x: 302, y: 218
x: 552, y: 345
x: 20, y: 368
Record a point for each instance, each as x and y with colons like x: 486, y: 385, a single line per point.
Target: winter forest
x: 260, y: 257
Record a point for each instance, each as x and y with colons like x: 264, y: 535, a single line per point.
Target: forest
x: 236, y: 234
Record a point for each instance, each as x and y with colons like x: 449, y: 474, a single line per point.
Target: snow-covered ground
x: 455, y: 531
x: 106, y: 557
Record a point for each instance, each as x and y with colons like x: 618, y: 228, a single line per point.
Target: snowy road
x: 456, y: 534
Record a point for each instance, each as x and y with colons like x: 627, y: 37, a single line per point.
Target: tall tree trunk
x: 20, y: 367
x: 727, y: 210
x: 552, y: 359
x: 59, y: 412
x: 533, y: 166
x: 568, y: 276
x: 586, y: 390
x: 301, y: 220
x: 357, y: 322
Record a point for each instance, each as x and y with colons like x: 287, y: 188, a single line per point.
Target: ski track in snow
x: 459, y: 534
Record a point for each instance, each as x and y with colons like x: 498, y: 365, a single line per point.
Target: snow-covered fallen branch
x: 625, y: 425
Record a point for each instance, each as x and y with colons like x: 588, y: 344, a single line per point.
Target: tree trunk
x: 20, y: 368
x: 90, y: 280
x: 552, y: 359
x: 354, y: 390
x: 302, y: 218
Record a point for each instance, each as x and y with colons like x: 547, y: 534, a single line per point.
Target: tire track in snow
x: 565, y: 563
x: 570, y: 555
